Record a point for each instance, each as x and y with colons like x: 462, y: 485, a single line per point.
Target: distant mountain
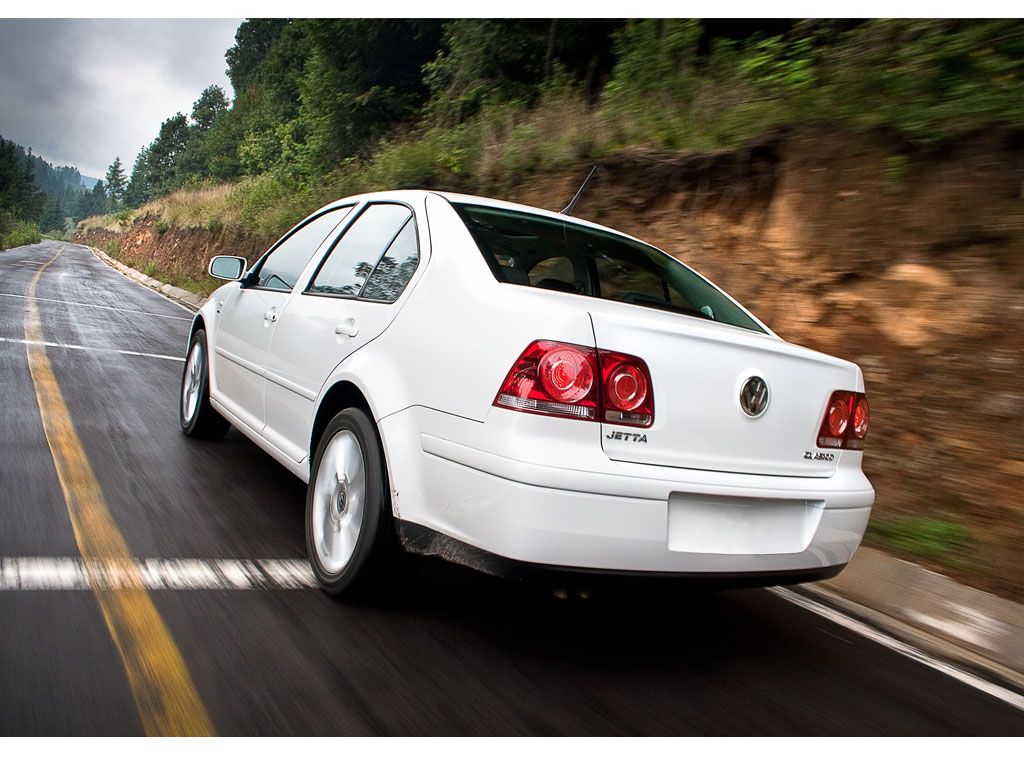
x: 89, y: 182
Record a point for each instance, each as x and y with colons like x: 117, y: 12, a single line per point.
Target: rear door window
x: 372, y: 256
x: 395, y: 267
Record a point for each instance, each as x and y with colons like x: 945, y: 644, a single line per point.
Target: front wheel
x: 195, y: 413
x: 349, y: 529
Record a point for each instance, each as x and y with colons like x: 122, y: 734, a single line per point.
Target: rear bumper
x: 503, y: 515
x: 425, y: 541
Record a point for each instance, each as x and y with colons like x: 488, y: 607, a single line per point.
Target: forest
x: 324, y: 108
x: 36, y: 197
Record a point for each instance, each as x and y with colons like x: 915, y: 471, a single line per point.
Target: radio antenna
x: 567, y: 211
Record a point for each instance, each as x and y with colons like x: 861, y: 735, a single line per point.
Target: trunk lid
x: 698, y: 369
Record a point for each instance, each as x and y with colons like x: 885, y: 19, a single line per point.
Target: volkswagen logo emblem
x: 754, y: 396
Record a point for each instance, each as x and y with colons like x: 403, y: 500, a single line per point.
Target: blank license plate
x: 733, y: 525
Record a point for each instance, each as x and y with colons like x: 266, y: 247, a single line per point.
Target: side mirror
x: 227, y: 267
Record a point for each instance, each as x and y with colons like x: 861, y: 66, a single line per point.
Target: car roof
x: 416, y: 194
x: 409, y: 195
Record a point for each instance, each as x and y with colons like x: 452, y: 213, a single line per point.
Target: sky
x: 81, y: 92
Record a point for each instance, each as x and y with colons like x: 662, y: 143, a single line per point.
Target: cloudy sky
x: 83, y: 91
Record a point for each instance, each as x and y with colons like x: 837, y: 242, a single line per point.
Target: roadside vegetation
x: 15, y: 232
x: 326, y: 108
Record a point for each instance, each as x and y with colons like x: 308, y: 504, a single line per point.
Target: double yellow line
x: 166, y: 697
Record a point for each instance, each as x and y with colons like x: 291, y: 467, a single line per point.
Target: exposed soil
x: 176, y: 251
x: 909, y: 263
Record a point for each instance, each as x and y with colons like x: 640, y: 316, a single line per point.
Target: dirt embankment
x: 909, y: 263
x: 175, y: 252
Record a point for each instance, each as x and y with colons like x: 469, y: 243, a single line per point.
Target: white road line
x: 1013, y: 699
x: 94, y: 349
x: 26, y: 574
x: 101, y: 306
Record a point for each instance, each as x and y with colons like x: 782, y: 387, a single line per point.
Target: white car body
x: 706, y: 490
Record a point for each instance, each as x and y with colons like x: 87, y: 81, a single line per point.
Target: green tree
x: 362, y: 76
x: 271, y: 100
x: 222, y: 141
x: 93, y: 203
x: 52, y: 218
x: 253, y: 41
x: 18, y: 191
x: 116, y: 183
x: 212, y: 102
x: 499, y: 60
x: 140, y: 186
x: 164, y: 152
x: 194, y: 161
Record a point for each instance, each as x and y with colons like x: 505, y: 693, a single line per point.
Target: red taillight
x: 838, y: 417
x: 846, y: 421
x: 566, y: 373
x: 552, y: 378
x: 560, y: 379
x: 860, y: 418
x: 626, y: 385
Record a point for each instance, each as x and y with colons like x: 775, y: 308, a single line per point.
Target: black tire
x: 353, y: 564
x: 195, y: 413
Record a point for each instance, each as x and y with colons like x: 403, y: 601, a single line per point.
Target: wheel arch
x: 198, y: 322
x: 342, y: 394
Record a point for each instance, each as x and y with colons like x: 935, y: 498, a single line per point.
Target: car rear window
x: 552, y: 254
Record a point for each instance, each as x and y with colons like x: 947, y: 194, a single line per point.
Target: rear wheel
x: 349, y: 526
x: 196, y: 414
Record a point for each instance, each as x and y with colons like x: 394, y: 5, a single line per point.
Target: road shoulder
x: 932, y: 612
x: 189, y: 300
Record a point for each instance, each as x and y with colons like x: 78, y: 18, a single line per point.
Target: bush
x: 258, y: 195
x: 113, y: 249
x: 932, y: 538
x: 15, y: 233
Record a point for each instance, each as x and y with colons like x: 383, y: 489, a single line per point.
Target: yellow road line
x: 168, y: 702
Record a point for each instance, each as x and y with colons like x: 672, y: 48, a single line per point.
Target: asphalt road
x: 454, y: 653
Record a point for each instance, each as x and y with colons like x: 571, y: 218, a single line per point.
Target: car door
x: 249, y: 315
x: 351, y: 299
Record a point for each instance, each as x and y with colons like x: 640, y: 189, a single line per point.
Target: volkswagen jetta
x: 515, y: 389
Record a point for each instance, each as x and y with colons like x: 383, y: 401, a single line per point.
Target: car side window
x: 283, y: 265
x: 355, y: 256
x: 395, y: 268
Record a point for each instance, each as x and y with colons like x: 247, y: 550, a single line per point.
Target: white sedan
x: 522, y: 391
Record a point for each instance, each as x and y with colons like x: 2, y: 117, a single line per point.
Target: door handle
x: 349, y: 329
x: 270, y: 315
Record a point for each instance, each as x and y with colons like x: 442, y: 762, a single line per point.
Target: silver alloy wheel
x: 339, y: 501
x: 192, y: 382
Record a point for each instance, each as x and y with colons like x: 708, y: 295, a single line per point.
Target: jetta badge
x: 754, y: 396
